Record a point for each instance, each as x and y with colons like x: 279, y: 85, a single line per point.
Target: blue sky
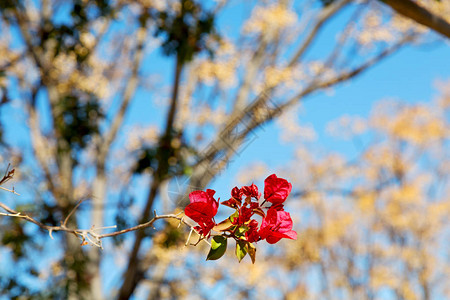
x: 408, y: 75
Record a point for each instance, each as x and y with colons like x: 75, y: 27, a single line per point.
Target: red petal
x: 232, y: 202
x: 210, y: 193
x: 277, y: 225
x: 199, y: 211
x: 276, y: 236
x: 284, y: 221
x: 276, y: 190
x: 198, y: 196
x: 205, y: 197
x: 273, y: 239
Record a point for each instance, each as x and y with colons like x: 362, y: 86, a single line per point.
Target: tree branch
x: 421, y: 15
x: 133, y: 272
x: 325, y: 15
x: 318, y: 85
x: 88, y: 236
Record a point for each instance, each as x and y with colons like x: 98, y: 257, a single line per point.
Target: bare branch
x: 145, y: 225
x: 8, y: 190
x: 8, y: 175
x: 88, y: 236
x: 72, y: 211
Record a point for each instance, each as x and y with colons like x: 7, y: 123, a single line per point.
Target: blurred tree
x: 421, y: 14
x: 76, y: 68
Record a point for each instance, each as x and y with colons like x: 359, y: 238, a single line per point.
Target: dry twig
x: 87, y: 236
x: 91, y: 235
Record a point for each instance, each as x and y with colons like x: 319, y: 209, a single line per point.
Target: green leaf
x: 218, y: 247
x: 234, y: 216
x: 251, y: 249
x: 241, y: 231
x: 241, y: 250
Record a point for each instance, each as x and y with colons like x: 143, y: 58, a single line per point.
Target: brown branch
x: 88, y: 236
x: 132, y: 273
x: 12, y: 213
x: 72, y: 211
x: 8, y: 175
x: 145, y: 225
x: 37, y: 138
x: 420, y: 14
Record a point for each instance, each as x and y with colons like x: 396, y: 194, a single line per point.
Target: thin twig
x: 8, y: 175
x: 11, y: 191
x: 144, y: 225
x: 72, y: 211
x: 325, y: 15
x: 88, y: 235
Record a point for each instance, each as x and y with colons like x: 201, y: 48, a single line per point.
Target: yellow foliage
x: 383, y: 276
x: 333, y: 230
x: 271, y: 18
x: 366, y: 203
x: 222, y: 71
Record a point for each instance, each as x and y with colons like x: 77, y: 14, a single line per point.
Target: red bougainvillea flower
x: 277, y: 225
x: 245, y: 213
x: 202, y: 209
x: 236, y: 193
x: 251, y: 191
x: 241, y: 226
x: 236, y: 198
x: 252, y: 234
x: 276, y: 190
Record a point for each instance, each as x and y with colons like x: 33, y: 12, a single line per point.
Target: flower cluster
x: 276, y: 223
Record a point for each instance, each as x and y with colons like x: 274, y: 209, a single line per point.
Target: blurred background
x: 130, y: 105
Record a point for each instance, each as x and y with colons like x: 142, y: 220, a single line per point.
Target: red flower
x: 236, y: 198
x: 245, y: 213
x: 251, y: 191
x: 276, y: 190
x: 252, y: 234
x: 236, y: 193
x: 277, y: 225
x: 202, y: 209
